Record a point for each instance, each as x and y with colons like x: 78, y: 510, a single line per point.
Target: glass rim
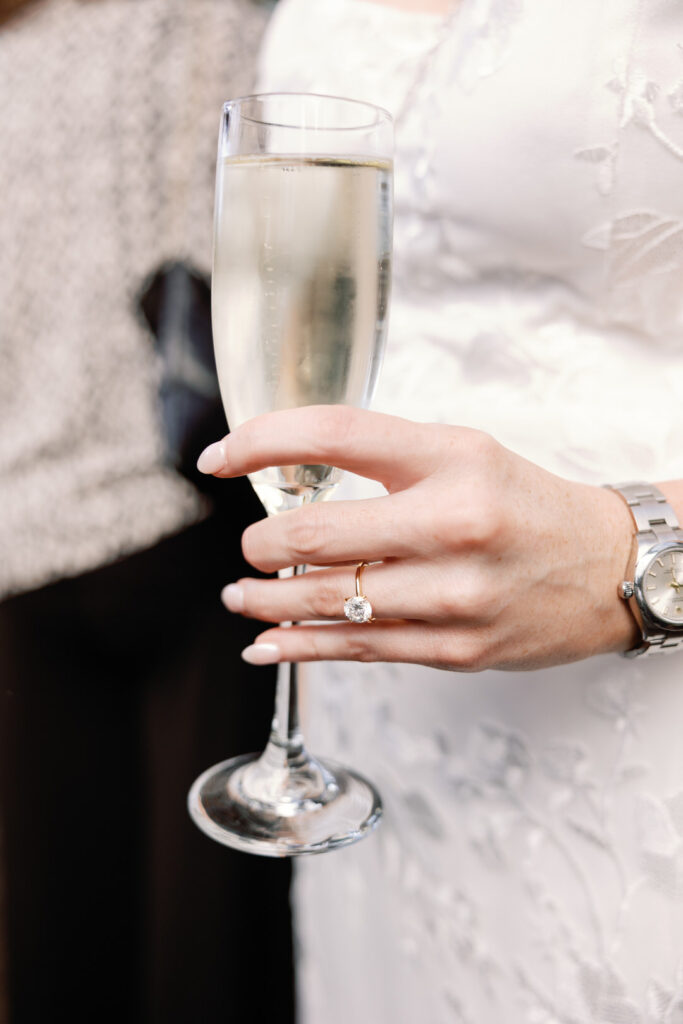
x: 384, y: 115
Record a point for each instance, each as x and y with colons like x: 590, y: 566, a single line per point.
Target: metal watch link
x: 654, y: 587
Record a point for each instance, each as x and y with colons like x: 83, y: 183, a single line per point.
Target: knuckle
x: 336, y: 427
x: 478, y: 522
x: 476, y: 601
x: 359, y: 645
x: 486, y: 528
x: 490, y: 517
x: 314, y: 648
x: 471, y: 450
x: 467, y: 599
x: 305, y: 535
x: 482, y: 448
x: 441, y: 652
x: 326, y: 602
x: 469, y: 654
x: 447, y: 604
x: 460, y: 651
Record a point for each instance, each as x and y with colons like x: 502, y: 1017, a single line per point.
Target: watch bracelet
x: 652, y: 514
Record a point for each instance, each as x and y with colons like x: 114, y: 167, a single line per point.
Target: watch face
x: 662, y: 586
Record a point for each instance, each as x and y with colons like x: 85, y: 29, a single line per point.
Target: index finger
x: 392, y: 450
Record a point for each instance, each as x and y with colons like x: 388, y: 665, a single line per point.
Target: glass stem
x: 285, y: 773
x: 285, y: 730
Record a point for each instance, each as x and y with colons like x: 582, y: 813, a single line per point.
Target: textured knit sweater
x: 109, y: 115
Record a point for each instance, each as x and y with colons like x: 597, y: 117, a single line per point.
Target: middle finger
x: 338, y: 532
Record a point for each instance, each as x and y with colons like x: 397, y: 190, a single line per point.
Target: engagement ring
x: 358, y: 608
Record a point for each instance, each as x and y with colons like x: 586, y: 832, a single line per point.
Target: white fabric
x: 530, y: 865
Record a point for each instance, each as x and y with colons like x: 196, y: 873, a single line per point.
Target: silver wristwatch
x: 654, y: 588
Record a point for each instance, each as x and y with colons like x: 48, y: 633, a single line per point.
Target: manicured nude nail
x: 232, y: 597
x: 212, y: 458
x: 261, y: 654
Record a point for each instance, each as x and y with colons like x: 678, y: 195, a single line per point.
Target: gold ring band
x: 358, y: 608
x: 359, y: 578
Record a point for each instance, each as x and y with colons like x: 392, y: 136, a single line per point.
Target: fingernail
x: 261, y: 654
x: 232, y: 597
x: 212, y: 458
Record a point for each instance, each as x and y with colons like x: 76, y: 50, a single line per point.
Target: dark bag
x: 176, y: 306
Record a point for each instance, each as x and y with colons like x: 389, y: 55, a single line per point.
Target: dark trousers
x: 118, y: 688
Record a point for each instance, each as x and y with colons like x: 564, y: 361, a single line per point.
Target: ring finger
x: 405, y: 589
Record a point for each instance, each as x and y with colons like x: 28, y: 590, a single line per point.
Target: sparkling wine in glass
x: 300, y: 291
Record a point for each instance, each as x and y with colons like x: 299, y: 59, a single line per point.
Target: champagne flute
x: 300, y: 291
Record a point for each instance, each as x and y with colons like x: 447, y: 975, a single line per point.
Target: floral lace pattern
x: 530, y: 865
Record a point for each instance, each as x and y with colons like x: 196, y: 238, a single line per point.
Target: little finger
x: 391, y: 640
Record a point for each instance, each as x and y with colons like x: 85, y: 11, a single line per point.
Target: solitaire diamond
x: 358, y: 609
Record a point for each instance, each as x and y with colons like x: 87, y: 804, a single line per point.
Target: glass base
x: 331, y: 806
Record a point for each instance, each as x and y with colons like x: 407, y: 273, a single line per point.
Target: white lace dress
x: 530, y: 865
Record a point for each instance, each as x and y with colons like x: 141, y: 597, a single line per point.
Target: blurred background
x: 120, y: 676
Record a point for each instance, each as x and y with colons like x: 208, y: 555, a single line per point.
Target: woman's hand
x: 484, y: 559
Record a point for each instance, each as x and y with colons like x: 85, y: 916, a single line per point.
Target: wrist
x: 655, y: 564
x: 673, y: 492
x: 623, y: 631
